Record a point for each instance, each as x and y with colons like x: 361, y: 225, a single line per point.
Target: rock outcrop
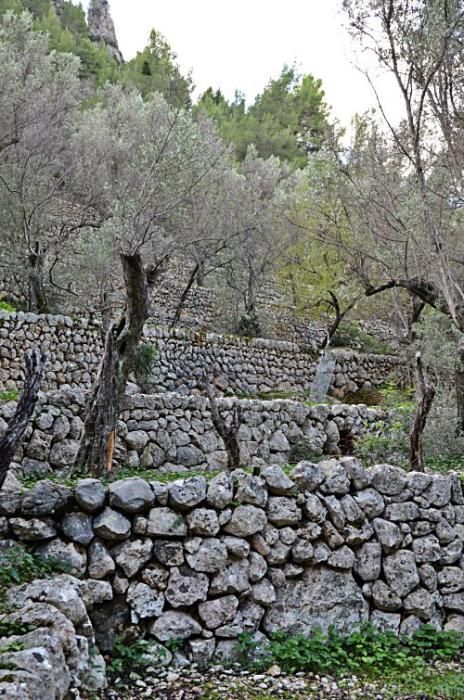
x: 101, y: 27
x: 51, y: 648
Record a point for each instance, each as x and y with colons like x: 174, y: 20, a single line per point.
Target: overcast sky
x: 242, y: 44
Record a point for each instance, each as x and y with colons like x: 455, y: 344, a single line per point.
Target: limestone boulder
x: 307, y: 475
x: 73, y: 556
x: 33, y: 529
x: 100, y: 562
x: 388, y: 480
x: 203, y: 521
x: 210, y: 556
x: 219, y: 611
x: 368, y: 561
x: 323, y: 597
x: 220, y: 491
x: 132, y: 555
x: 279, y: 484
x: 77, y: 527
x: 111, y: 525
x: 185, y: 494
x: 46, y: 498
x: 246, y: 520
x: 90, y: 495
x: 401, y: 572
x: 186, y: 587
x: 144, y: 601
x: 174, y: 624
x: 132, y: 495
x: 166, y: 522
x: 283, y: 511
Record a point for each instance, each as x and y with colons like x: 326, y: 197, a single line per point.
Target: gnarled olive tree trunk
x: 9, y: 443
x: 427, y: 394
x: 95, y: 453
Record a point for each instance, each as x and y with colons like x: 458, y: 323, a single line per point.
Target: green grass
x: 445, y: 464
x: 5, y: 306
x: 6, y: 396
x: 122, y: 473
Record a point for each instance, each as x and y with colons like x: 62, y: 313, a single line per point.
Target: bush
x: 5, y: 306
x: 131, y: 656
x: 6, y: 396
x: 145, y: 360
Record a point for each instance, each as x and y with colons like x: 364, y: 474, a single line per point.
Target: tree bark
x: 184, y: 296
x: 37, y: 297
x: 249, y: 323
x: 339, y: 314
x: 427, y: 394
x: 228, y: 434
x: 9, y: 443
x: 95, y: 453
x: 459, y: 384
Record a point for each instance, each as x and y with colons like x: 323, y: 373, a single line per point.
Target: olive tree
x: 150, y: 160
x: 268, y: 190
x: 39, y: 100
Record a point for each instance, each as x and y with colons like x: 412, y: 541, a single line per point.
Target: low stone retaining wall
x: 74, y: 347
x: 330, y: 544
x: 240, y: 366
x: 173, y: 432
x: 256, y: 365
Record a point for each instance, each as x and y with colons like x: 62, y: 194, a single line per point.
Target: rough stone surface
x: 131, y: 495
x: 246, y: 520
x: 209, y: 571
x: 111, y: 525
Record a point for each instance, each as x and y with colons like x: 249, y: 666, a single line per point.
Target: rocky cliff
x: 101, y: 27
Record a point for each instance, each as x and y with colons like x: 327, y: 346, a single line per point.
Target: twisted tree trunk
x: 228, y: 433
x: 35, y: 363
x: 95, y: 453
x: 427, y: 394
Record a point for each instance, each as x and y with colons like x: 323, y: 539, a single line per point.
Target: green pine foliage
x: 289, y: 119
x: 155, y: 70
x: 68, y: 33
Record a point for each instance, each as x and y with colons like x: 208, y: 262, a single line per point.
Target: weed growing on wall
x: 5, y: 306
x: 18, y: 565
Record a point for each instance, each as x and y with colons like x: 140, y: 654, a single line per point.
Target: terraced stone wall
x: 257, y: 365
x: 173, y: 432
x: 203, y: 561
x: 239, y: 365
x: 74, y: 347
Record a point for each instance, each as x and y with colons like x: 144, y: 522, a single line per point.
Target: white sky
x: 243, y: 43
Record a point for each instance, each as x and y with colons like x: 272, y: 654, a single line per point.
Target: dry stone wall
x: 173, y: 432
x: 203, y: 561
x: 256, y: 365
x: 74, y: 347
x: 240, y: 365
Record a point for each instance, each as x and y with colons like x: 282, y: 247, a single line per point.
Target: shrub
x: 6, y: 396
x: 145, y: 360
x: 350, y: 335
